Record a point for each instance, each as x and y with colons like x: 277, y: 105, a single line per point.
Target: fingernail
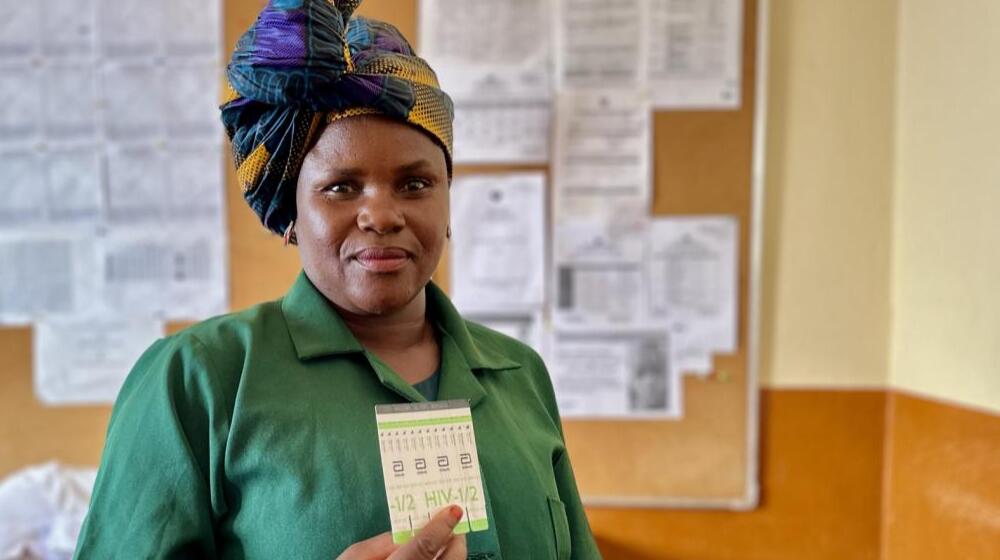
x: 456, y: 513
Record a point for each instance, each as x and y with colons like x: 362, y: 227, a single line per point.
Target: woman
x: 253, y: 435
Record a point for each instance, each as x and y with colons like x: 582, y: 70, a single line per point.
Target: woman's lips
x: 382, y: 259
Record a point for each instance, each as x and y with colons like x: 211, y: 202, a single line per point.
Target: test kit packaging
x: 429, y: 461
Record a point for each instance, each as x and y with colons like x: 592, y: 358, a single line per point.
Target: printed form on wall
x: 602, y: 155
x: 695, y: 52
x: 625, y: 372
x: 598, y: 273
x: 44, y: 275
x: 693, y: 282
x: 599, y: 44
x: 493, y: 57
x: 84, y: 359
x: 498, y: 245
x: 607, y: 356
x: 498, y: 252
x: 676, y: 276
x: 112, y: 150
x: 686, y: 53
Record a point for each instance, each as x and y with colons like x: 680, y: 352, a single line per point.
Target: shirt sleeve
x: 158, y: 489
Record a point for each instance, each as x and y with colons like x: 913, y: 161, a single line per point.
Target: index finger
x: 430, y: 540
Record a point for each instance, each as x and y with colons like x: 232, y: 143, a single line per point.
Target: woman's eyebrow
x: 345, y: 171
x: 418, y: 165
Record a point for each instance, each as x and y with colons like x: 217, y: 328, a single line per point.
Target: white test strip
x: 429, y: 461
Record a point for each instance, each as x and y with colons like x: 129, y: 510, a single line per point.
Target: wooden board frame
x: 262, y: 269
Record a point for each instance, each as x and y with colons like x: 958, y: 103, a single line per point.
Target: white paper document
x: 132, y: 28
x: 129, y: 90
x: 498, y: 242
x: 45, y: 189
x: 178, y: 275
x: 192, y: 101
x: 85, y: 359
x: 693, y: 283
x: 602, y: 155
x: 624, y: 373
x: 23, y: 175
x: 695, y: 53
x: 599, y: 44
x: 73, y: 85
x: 20, y: 27
x: 43, y: 275
x: 136, y: 183
x: 111, y: 160
x: 69, y: 27
x: 73, y: 180
x: 511, y: 130
x: 493, y: 57
x: 193, y: 27
x: 21, y: 95
x: 598, y: 274
x: 194, y: 173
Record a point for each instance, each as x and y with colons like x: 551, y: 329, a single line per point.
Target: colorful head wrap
x: 305, y: 63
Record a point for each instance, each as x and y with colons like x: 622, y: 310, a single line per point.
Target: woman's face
x: 372, y: 203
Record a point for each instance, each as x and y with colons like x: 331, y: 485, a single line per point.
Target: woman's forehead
x: 376, y: 140
x: 373, y: 132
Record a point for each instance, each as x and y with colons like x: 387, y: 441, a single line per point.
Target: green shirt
x: 252, y: 435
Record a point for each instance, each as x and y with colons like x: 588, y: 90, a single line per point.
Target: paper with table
x: 116, y: 207
x: 599, y: 44
x: 676, y: 276
x: 493, y: 57
x: 693, y: 280
x: 686, y: 54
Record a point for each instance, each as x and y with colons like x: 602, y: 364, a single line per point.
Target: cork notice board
x: 706, y: 162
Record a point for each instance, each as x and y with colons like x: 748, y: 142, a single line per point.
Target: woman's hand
x: 434, y: 541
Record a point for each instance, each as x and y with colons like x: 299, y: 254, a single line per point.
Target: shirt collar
x: 317, y: 329
x: 477, y: 356
x: 314, y: 325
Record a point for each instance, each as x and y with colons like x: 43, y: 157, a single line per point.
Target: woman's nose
x: 380, y: 212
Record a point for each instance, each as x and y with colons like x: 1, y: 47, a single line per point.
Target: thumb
x: 430, y: 540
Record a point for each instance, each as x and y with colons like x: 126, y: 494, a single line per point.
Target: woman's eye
x: 339, y: 188
x: 414, y: 185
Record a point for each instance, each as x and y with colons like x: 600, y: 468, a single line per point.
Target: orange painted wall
x: 31, y: 433
x: 942, y: 482
x: 821, y: 454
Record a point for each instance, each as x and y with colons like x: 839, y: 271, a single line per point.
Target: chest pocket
x: 560, y: 528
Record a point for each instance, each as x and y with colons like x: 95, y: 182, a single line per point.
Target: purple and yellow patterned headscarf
x: 303, y: 64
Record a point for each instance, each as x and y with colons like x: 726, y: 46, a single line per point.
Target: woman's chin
x: 383, y: 302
